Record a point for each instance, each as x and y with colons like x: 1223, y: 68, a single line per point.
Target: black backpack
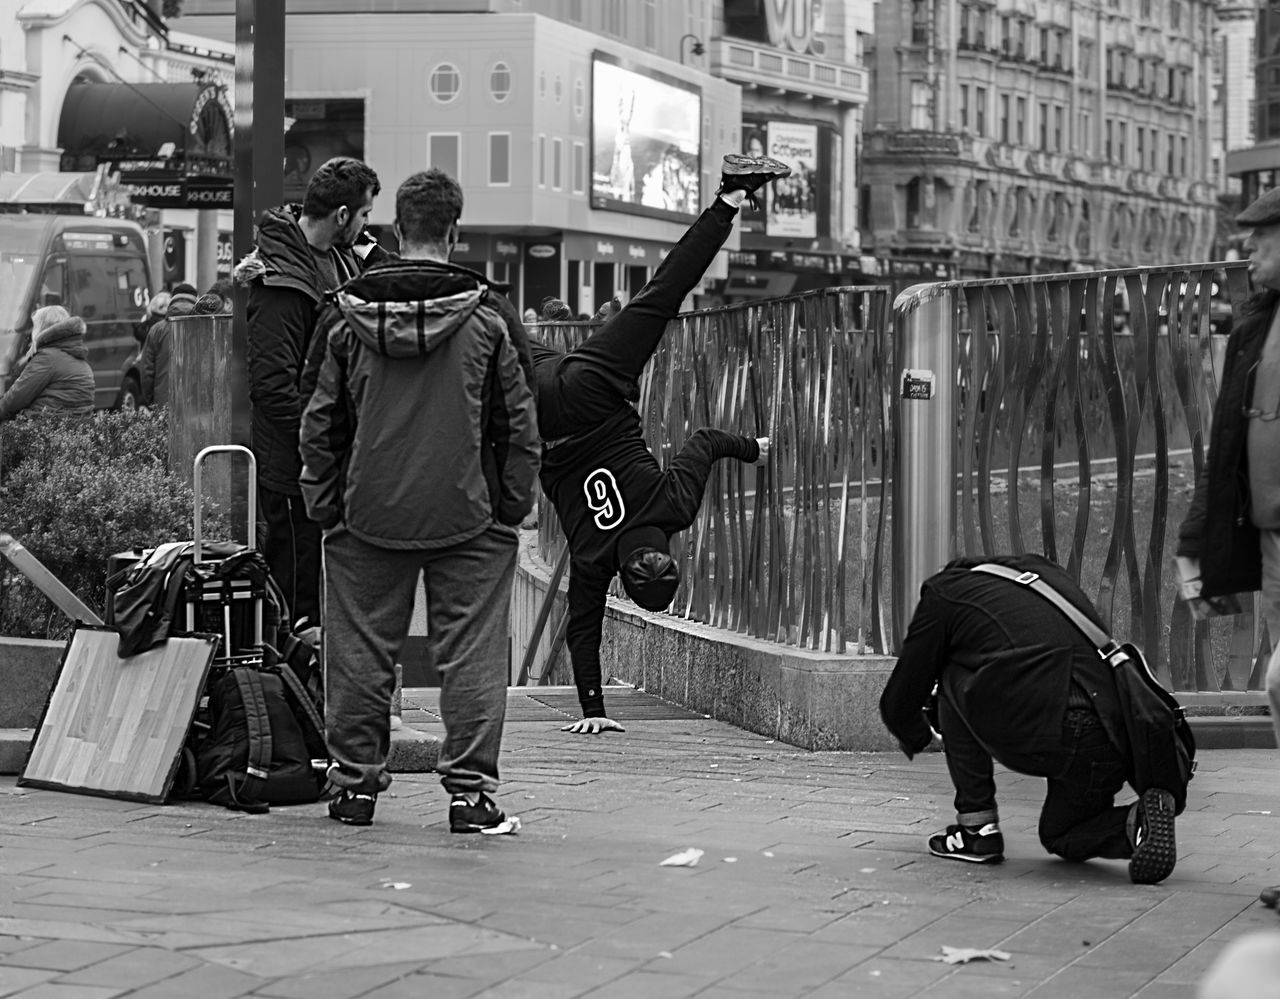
x: 262, y: 743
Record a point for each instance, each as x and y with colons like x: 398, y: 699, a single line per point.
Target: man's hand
x: 763, y: 457
x: 593, y: 726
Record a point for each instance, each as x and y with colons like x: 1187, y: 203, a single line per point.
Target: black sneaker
x: 978, y: 845
x: 750, y: 173
x: 352, y: 808
x: 465, y: 817
x: 1270, y: 897
x: 1155, y: 851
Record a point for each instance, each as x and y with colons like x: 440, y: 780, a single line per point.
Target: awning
x: 169, y: 142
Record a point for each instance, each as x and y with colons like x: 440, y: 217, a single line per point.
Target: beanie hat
x: 649, y: 573
x: 208, y: 304
x: 183, y: 295
x: 554, y: 310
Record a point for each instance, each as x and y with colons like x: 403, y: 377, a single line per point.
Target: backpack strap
x: 300, y: 694
x: 1106, y: 645
x: 242, y: 791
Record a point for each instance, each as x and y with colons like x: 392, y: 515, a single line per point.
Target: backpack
x: 1161, y: 745
x: 264, y: 743
x: 1156, y: 740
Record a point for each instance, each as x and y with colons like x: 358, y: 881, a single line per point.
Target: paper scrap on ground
x: 396, y: 885
x: 963, y: 955
x: 685, y: 858
x: 507, y: 827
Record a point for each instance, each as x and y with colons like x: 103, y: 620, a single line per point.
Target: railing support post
x: 924, y: 428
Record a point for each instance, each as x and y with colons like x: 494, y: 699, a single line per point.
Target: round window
x: 542, y: 85
x: 559, y: 89
x: 445, y: 82
x: 579, y: 97
x: 500, y: 81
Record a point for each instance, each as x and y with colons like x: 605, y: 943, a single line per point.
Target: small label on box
x: 917, y: 383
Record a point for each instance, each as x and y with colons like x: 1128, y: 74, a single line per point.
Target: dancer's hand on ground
x: 593, y: 726
x: 764, y: 450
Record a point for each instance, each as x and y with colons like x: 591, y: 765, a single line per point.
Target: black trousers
x: 1079, y: 818
x: 292, y: 550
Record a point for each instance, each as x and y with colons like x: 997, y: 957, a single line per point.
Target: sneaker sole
x: 350, y: 822
x: 737, y: 165
x: 472, y: 829
x: 994, y: 858
x: 1155, y: 859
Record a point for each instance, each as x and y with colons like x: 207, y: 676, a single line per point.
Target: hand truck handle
x: 252, y: 534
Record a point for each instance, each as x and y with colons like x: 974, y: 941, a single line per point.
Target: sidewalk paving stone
x: 815, y: 882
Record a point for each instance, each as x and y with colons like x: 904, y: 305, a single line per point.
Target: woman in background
x: 57, y: 377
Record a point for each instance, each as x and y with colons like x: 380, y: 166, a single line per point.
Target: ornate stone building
x: 1014, y: 137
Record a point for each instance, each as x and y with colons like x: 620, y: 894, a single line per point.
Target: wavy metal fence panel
x: 1080, y: 435
x: 796, y: 552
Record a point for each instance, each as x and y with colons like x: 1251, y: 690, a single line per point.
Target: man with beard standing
x: 303, y: 252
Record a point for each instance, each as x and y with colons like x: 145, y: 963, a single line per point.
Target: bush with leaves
x: 74, y: 492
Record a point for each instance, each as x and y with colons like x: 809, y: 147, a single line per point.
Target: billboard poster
x: 792, y: 205
x: 646, y: 141
x: 755, y: 142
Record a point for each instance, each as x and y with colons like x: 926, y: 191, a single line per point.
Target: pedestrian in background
x: 153, y: 362
x: 1018, y: 682
x: 57, y: 377
x: 303, y: 252
x: 420, y: 455
x: 1229, y: 541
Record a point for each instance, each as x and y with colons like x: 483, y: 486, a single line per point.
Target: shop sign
x: 542, y: 251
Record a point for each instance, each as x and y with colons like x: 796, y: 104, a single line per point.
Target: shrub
x: 74, y: 492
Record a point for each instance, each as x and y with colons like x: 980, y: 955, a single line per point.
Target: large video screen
x: 646, y: 141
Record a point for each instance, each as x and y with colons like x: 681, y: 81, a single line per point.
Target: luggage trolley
x: 218, y: 600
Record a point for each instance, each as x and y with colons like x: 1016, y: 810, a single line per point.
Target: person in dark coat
x: 1017, y: 682
x: 57, y: 377
x: 617, y: 505
x: 1229, y: 541
x: 153, y: 363
x: 303, y: 252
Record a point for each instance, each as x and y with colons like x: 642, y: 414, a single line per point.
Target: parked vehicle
x: 96, y: 268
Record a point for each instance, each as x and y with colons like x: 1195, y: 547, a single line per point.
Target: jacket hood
x: 67, y: 336
x: 282, y: 255
x: 408, y: 328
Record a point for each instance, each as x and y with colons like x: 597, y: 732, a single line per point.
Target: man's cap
x: 1265, y: 210
x: 183, y: 294
x: 649, y: 573
x: 185, y: 289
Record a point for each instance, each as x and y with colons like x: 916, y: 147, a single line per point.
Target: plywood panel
x: 115, y: 726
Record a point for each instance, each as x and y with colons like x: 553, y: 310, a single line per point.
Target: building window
x: 1183, y: 147
x: 558, y: 89
x: 443, y: 152
x: 445, y: 83
x: 1059, y: 118
x: 1060, y: 50
x: 557, y: 168
x: 1175, y: 14
x: 1004, y: 118
x: 612, y: 20
x: 1084, y: 141
x: 1107, y: 144
x: 1140, y: 146
x: 1171, y: 148
x: 1044, y: 126
x: 1021, y: 52
x: 542, y: 85
x: 964, y: 105
x: 980, y: 111
x: 1020, y: 133
x: 575, y: 11
x: 921, y: 105
x: 920, y: 21
x: 499, y: 158
x: 1085, y: 55
x: 1006, y: 36
x: 1044, y: 46
x: 579, y: 98
x: 542, y: 161
x: 1122, y: 143
x: 500, y: 81
x: 579, y: 168
x: 980, y: 28
x: 650, y: 24
x: 966, y: 26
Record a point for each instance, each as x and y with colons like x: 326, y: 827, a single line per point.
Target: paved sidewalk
x: 814, y: 882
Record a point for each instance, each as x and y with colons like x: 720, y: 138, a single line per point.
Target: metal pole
x: 923, y: 471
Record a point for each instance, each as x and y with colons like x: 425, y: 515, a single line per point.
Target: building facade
x: 89, y: 84
x: 1257, y: 167
x: 1013, y: 137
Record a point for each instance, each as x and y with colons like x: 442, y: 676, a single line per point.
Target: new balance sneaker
x: 976, y: 844
x: 352, y: 808
x: 750, y: 173
x: 465, y: 817
x: 1155, y: 851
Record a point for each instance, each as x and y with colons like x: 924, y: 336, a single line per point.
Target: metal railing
x: 1080, y: 433
x: 794, y: 552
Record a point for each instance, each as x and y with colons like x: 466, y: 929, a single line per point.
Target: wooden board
x: 113, y: 726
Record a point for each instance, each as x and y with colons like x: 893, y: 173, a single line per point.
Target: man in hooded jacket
x: 153, y: 362
x: 302, y: 253
x: 420, y: 454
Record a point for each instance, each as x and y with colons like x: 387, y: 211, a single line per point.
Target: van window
x: 107, y: 288
x: 53, y: 288
x: 16, y: 273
